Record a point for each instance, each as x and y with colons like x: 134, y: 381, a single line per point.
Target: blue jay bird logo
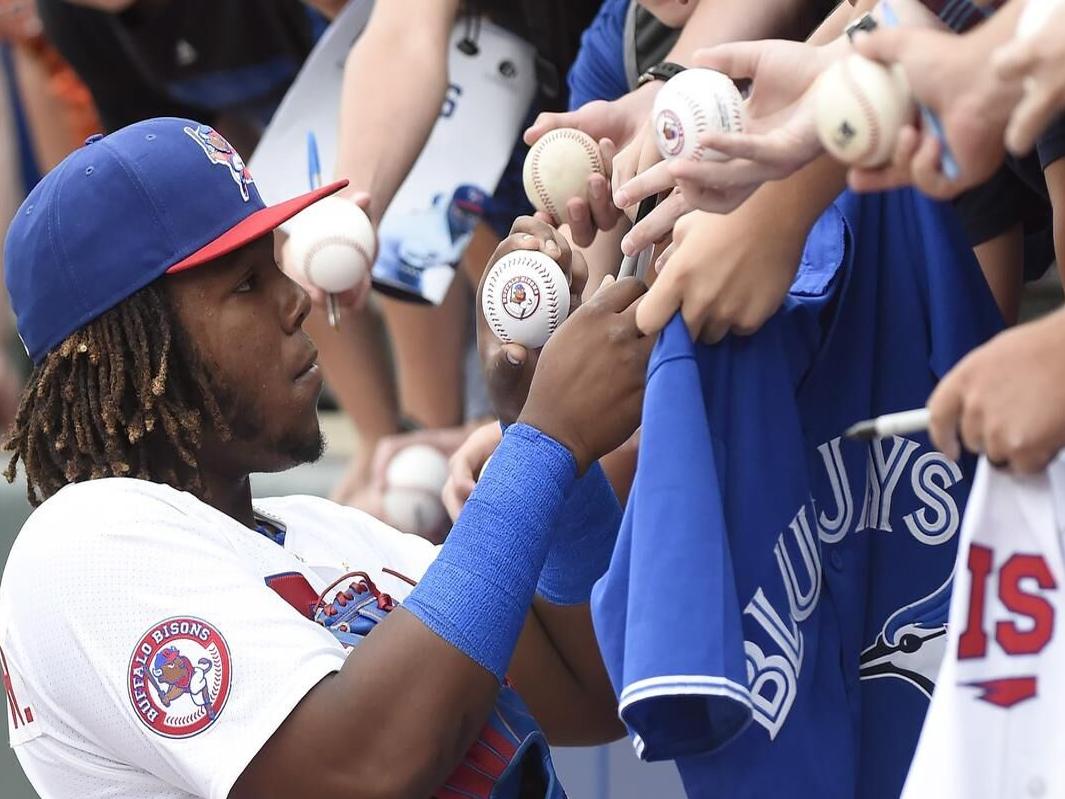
x: 912, y: 642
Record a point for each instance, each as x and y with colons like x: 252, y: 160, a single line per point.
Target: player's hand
x: 724, y: 273
x: 353, y: 298
x: 464, y: 467
x: 587, y: 217
x: 508, y: 368
x: 951, y: 75
x: 1037, y: 63
x: 588, y: 387
x: 1007, y: 398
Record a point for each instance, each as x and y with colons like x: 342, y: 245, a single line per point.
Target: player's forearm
x: 406, y: 706
x: 394, y: 84
x: 559, y: 672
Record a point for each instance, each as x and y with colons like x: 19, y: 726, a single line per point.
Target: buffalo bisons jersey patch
x: 179, y: 677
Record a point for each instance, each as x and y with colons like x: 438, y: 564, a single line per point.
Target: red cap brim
x: 250, y: 228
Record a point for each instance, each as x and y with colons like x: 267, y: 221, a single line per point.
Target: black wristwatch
x: 664, y: 70
x: 866, y: 22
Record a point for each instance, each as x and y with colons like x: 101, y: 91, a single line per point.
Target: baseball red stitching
x: 329, y: 241
x: 541, y: 191
x: 866, y: 108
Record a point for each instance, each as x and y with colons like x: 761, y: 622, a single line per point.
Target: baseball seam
x: 866, y: 107
x: 700, y: 125
x: 494, y: 321
x: 328, y: 241
x: 541, y: 191
x: 550, y: 291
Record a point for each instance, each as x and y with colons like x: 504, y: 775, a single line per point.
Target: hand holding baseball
x: 952, y: 76
x: 330, y: 249
x: 507, y: 365
x: 777, y: 137
x: 567, y: 180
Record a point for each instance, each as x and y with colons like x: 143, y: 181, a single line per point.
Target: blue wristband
x: 477, y: 592
x: 583, y: 542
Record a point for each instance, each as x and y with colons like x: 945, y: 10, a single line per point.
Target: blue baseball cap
x: 154, y: 198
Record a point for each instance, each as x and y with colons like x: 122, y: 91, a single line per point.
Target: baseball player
x: 161, y: 635
x: 992, y: 725
x: 797, y: 646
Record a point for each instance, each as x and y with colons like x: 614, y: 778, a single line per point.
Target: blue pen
x: 947, y: 161
x: 314, y: 177
x: 314, y: 167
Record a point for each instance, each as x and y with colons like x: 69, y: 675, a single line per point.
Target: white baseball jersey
x: 994, y: 727
x: 151, y: 644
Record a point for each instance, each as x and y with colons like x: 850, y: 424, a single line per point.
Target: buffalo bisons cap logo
x: 179, y: 677
x: 521, y: 297
x: 220, y: 151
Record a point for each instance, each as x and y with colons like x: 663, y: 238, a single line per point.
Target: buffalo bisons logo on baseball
x: 179, y: 677
x: 521, y: 297
x: 220, y: 151
x: 670, y: 132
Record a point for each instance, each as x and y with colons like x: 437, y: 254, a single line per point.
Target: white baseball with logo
x: 332, y: 244
x: 859, y: 108
x: 557, y: 169
x: 992, y: 726
x: 525, y: 298
x: 691, y: 103
x: 415, y: 478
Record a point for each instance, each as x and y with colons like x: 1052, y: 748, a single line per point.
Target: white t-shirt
x: 148, y: 647
x: 993, y: 729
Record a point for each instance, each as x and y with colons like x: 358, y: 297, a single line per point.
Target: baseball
x: 525, y: 298
x: 414, y: 479
x: 557, y: 169
x: 691, y: 103
x: 332, y: 243
x: 859, y: 108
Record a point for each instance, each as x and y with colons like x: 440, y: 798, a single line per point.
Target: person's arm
x: 712, y: 22
x: 394, y: 84
x: 730, y: 273
x: 779, y: 137
x: 408, y: 702
x: 1055, y: 178
x: 953, y: 76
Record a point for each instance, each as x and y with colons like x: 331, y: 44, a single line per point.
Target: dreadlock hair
x: 124, y: 396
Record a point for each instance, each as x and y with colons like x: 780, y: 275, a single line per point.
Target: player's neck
x: 231, y: 495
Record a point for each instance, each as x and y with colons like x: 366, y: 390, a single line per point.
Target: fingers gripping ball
x: 525, y: 298
x: 694, y: 102
x: 859, y: 108
x: 332, y: 243
x: 414, y: 479
x: 557, y: 169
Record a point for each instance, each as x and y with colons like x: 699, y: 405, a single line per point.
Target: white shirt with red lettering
x: 151, y: 644
x: 994, y: 726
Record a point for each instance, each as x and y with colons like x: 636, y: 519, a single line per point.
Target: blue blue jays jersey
x: 775, y: 609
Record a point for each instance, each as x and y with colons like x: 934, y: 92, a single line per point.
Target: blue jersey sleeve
x: 598, y: 73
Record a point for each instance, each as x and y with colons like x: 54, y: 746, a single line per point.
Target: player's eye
x: 245, y: 285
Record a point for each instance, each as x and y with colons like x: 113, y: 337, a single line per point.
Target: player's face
x: 672, y: 13
x: 244, y: 318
